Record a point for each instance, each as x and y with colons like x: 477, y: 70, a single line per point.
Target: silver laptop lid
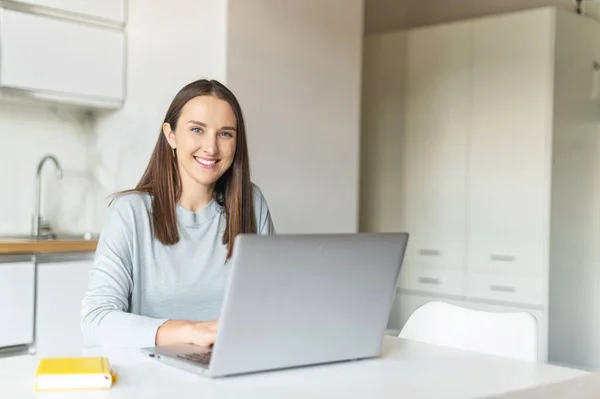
x: 296, y: 300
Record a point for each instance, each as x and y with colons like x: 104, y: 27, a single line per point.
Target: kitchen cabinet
x: 17, y: 291
x: 498, y: 170
x: 107, y: 11
x: 61, y: 287
x: 509, y: 147
x: 435, y: 150
x: 523, y: 290
x: 54, y: 58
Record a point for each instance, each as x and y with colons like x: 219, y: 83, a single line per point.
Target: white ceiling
x: 384, y: 15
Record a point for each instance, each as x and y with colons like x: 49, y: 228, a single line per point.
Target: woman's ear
x: 169, y: 134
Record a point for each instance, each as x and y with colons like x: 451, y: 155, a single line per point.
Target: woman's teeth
x: 205, y: 161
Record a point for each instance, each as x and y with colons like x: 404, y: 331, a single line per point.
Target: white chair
x: 507, y: 334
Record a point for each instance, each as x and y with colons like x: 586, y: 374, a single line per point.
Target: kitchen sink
x: 53, y: 237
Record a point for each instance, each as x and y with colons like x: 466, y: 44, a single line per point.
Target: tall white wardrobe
x: 480, y: 138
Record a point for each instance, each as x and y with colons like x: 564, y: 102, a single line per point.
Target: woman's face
x: 204, y: 139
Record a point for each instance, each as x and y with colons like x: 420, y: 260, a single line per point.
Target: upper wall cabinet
x: 107, y: 11
x: 63, y: 51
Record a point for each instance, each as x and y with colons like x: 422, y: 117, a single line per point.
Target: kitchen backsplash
x: 30, y: 131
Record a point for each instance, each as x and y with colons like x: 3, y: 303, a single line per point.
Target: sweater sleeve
x: 264, y: 223
x: 106, y: 320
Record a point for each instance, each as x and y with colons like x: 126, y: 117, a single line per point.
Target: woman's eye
x: 226, y: 134
x: 196, y: 130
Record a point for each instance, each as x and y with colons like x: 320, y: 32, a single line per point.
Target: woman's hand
x: 202, y: 333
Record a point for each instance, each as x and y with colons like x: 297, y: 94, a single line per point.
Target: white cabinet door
x: 433, y: 175
x: 17, y: 292
x: 104, y: 10
x: 61, y: 287
x: 50, y: 56
x: 509, y: 154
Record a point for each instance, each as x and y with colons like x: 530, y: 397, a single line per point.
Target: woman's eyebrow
x: 204, y: 125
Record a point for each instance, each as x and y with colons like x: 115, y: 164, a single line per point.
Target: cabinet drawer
x: 17, y: 291
x: 524, y: 261
x: 56, y: 57
x: 451, y: 282
x: 528, y: 291
x: 446, y: 254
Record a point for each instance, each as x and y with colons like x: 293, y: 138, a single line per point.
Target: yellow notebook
x: 74, y: 373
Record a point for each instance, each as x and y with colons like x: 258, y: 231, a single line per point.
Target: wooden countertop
x: 31, y: 246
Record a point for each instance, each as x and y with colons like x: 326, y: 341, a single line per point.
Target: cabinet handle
x: 502, y: 288
x: 430, y: 252
x: 502, y: 258
x: 429, y: 280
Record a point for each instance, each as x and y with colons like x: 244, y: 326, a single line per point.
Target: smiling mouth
x: 206, y: 163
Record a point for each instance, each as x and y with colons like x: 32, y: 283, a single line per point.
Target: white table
x: 406, y: 369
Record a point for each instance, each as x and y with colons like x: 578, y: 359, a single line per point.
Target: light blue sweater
x: 137, y: 283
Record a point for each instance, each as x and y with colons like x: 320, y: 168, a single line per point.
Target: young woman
x: 162, y: 259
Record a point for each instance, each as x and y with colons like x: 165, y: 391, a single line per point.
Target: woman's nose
x: 210, y: 146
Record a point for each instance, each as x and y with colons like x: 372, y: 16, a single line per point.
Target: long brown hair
x: 233, y: 190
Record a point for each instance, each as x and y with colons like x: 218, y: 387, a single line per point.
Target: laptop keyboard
x: 200, y: 358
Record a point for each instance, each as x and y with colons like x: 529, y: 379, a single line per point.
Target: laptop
x: 299, y: 300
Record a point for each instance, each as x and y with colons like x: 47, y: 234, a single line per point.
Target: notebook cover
x: 75, y: 366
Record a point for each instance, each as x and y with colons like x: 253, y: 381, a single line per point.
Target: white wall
x: 169, y: 45
x: 295, y: 66
x: 574, y: 297
x: 382, y: 126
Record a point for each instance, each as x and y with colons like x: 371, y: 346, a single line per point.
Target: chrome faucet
x: 38, y: 223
